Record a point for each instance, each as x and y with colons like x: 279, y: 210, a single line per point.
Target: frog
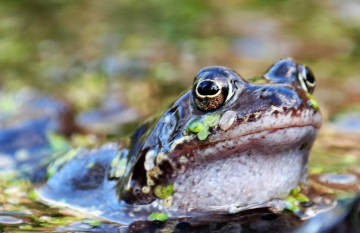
x: 225, y: 146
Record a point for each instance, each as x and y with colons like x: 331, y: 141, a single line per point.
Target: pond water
x: 108, y: 66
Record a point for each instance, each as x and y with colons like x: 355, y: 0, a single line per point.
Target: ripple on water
x: 10, y: 220
x: 345, y: 179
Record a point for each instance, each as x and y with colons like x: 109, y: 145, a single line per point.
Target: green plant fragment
x: 189, y: 123
x: 212, y: 120
x: 196, y: 127
x: 302, y: 198
x: 115, y: 160
x: 25, y: 227
x: 163, y: 192
x: 92, y: 222
x: 32, y: 195
x: 295, y: 191
x: 202, y: 135
x: 291, y: 204
x: 312, y: 101
x: 158, y: 216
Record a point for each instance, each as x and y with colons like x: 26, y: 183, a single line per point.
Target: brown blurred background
x: 144, y: 54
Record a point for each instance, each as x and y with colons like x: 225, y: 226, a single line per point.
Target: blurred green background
x: 146, y: 53
x: 141, y: 55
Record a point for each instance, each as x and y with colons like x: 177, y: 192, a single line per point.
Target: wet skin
x: 226, y: 145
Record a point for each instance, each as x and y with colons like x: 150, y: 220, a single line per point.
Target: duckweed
x: 292, y: 204
x: 189, y: 125
x: 196, y: 127
x: 163, y: 192
x: 158, y: 216
x: 294, y: 199
x: 202, y: 135
x: 201, y: 126
x: 295, y: 191
x: 212, y: 120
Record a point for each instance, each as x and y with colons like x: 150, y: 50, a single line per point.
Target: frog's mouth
x: 251, y: 124
x: 251, y: 164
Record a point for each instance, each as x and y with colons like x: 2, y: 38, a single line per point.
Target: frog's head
x: 228, y: 142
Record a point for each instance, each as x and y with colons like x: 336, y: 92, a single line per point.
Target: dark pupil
x: 207, y: 88
x: 309, y: 76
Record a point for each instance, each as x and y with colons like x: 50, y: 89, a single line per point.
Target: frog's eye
x: 208, y: 88
x: 210, y: 94
x: 212, y: 88
x: 307, y: 79
x: 310, y: 78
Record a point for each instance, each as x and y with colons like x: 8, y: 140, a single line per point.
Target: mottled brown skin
x: 281, y: 95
